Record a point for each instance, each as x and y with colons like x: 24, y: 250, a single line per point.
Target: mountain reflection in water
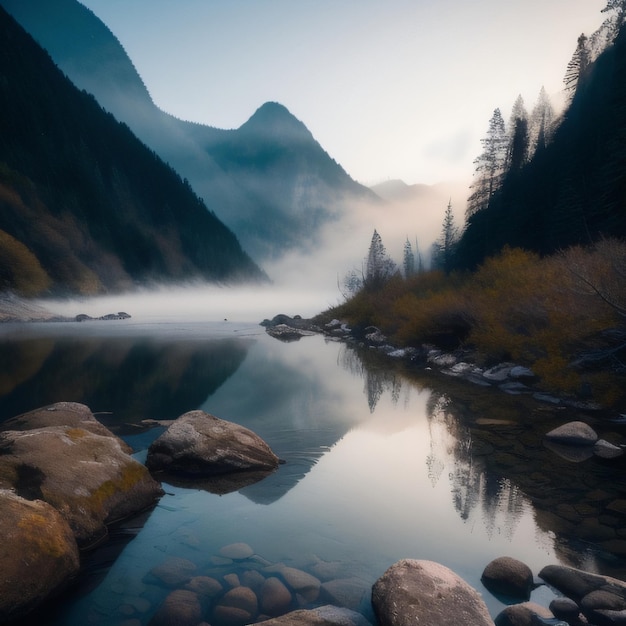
x: 383, y: 461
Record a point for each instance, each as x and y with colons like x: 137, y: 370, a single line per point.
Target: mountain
x: 574, y: 190
x: 84, y: 205
x: 269, y: 180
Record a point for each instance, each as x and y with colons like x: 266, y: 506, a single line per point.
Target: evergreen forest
x: 85, y: 207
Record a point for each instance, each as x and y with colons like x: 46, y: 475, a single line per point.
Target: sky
x: 401, y: 89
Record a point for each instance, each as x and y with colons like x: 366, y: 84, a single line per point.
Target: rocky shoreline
x: 510, y: 378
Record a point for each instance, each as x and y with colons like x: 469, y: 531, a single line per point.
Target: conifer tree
x: 541, y: 123
x: 517, y: 151
x: 580, y: 61
x: 490, y: 165
x: 408, y: 259
x: 444, y: 248
x: 379, y: 267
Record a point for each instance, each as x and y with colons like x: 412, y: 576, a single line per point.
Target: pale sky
x: 394, y: 89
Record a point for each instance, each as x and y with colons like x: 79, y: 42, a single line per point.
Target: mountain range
x: 269, y: 180
x: 85, y: 206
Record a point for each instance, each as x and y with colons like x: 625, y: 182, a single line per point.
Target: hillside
x: 574, y: 190
x: 84, y: 205
x: 275, y: 188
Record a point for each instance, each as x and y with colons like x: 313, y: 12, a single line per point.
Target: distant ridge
x: 268, y: 180
x: 85, y: 207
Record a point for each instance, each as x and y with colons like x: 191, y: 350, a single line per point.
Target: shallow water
x: 381, y: 463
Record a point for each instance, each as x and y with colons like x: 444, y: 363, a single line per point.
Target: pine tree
x: 616, y: 20
x: 578, y: 64
x: 489, y: 165
x: 541, y: 123
x: 444, y: 248
x: 379, y: 267
x: 517, y: 150
x: 408, y: 262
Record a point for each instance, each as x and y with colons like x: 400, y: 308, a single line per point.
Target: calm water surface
x: 381, y: 463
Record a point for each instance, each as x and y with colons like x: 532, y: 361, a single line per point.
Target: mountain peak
x: 272, y: 118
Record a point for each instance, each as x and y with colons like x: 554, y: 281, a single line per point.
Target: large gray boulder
x: 198, y: 444
x: 423, y: 592
x: 81, y: 469
x: 38, y: 552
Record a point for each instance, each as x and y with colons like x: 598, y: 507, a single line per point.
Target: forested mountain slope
x: 269, y: 180
x: 574, y: 190
x: 84, y: 205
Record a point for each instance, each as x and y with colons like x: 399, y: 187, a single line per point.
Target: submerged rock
x: 424, y: 592
x: 38, y: 553
x: 198, y: 444
x: 527, y: 614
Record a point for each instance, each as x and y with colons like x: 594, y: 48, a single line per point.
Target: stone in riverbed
x: 275, y: 598
x: 236, y: 551
x: 237, y: 607
x: 423, y: 592
x: 508, y: 576
x: 180, y: 608
x: 573, y: 434
x: 198, y: 444
x: 174, y: 572
x: 38, y: 553
x: 527, y: 614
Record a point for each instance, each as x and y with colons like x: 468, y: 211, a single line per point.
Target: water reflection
x: 501, y: 467
x: 382, y: 463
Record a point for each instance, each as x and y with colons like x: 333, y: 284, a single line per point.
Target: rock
x: 508, y: 576
x: 374, y: 336
x: 321, y: 616
x: 573, y: 434
x: 180, y: 608
x: 87, y: 476
x: 346, y: 592
x: 275, y: 598
x: 237, y: 607
x: 605, y: 450
x: 601, y: 598
x: 526, y: 614
x: 498, y: 373
x: 174, y: 572
x: 301, y: 582
x: 567, y: 610
x: 200, y: 444
x: 253, y: 579
x: 38, y: 552
x: 519, y: 371
x: 575, y: 454
x: 237, y: 551
x: 205, y: 587
x: 423, y: 592
x: 288, y: 333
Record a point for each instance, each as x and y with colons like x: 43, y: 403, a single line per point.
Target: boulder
x: 527, y: 614
x: 180, y: 608
x: 606, y: 450
x: 237, y: 607
x: 174, y: 572
x: 84, y: 472
x: 275, y: 598
x: 602, y: 599
x: 38, y: 552
x: 300, y: 582
x: 573, y: 434
x: 236, y: 551
x: 423, y: 592
x: 288, y: 333
x: 321, y: 616
x: 508, y: 576
x: 567, y: 610
x: 198, y: 444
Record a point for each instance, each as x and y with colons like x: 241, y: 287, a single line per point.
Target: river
x: 382, y: 462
